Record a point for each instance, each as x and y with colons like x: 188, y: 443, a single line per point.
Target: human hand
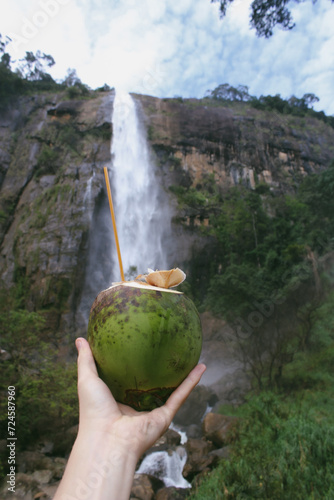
x: 112, y: 436
x: 128, y: 429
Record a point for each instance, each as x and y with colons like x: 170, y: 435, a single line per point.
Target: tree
x: 5, y: 58
x: 266, y: 14
x: 10, y: 83
x: 34, y: 65
x: 228, y: 93
x: 75, y: 87
x: 71, y: 78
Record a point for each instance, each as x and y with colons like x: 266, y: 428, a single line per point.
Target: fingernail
x: 78, y: 343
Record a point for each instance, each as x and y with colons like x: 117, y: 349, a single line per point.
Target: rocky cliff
x: 52, y: 153
x: 233, y: 143
x: 50, y: 148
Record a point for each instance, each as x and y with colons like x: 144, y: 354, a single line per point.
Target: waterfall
x: 141, y: 207
x: 167, y: 466
x: 184, y: 437
x: 142, y: 210
x: 87, y: 200
x: 88, y: 192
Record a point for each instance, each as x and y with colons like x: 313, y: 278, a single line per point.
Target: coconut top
x: 164, y: 279
x: 146, y: 286
x: 157, y: 280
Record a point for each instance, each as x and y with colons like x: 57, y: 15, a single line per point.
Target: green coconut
x: 145, y: 340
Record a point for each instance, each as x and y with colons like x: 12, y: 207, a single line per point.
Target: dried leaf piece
x: 164, y: 279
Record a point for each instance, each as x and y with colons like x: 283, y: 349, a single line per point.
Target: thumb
x: 86, y: 363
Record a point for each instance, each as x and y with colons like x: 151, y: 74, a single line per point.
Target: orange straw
x: 114, y: 223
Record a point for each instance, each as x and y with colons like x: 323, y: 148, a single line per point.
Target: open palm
x: 99, y: 412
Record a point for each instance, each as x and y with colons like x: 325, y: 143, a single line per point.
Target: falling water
x: 88, y: 192
x: 141, y: 207
x: 88, y: 201
x: 142, y: 212
x: 166, y: 466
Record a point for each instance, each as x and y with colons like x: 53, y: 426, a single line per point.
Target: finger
x: 86, y: 363
x: 93, y: 392
x: 178, y: 397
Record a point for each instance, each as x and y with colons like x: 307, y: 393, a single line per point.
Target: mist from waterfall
x: 141, y: 206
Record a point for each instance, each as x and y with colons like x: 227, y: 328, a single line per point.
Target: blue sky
x: 177, y: 47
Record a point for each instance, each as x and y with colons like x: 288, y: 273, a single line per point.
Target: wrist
x: 99, y: 467
x: 105, y: 442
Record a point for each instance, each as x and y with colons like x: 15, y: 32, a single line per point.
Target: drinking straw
x: 114, y: 223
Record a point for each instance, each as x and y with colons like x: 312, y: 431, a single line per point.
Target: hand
x: 112, y: 436
x: 99, y: 412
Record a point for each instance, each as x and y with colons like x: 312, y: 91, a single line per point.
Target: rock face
x: 52, y: 153
x: 235, y: 144
x: 219, y: 428
x: 49, y: 151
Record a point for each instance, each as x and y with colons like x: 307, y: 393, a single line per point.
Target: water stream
x: 141, y: 207
x: 167, y: 466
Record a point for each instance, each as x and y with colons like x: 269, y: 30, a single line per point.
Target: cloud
x: 169, y: 47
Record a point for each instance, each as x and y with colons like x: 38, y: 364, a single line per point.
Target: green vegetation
x: 47, y: 161
x: 260, y: 238
x: 261, y: 269
x: 103, y: 132
x: 295, y: 106
x: 32, y: 77
x: 35, y: 369
x: 285, y: 445
x: 264, y: 275
x: 281, y: 454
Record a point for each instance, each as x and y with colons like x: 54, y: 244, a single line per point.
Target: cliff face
x: 49, y: 151
x: 236, y: 144
x: 52, y: 153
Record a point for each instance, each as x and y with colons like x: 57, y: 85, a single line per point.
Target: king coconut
x: 145, y: 338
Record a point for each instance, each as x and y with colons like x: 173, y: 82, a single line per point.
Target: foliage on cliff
x: 257, y: 231
x: 297, y: 106
x: 31, y: 76
x: 262, y: 266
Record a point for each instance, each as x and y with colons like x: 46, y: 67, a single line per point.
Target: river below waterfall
x: 167, y: 466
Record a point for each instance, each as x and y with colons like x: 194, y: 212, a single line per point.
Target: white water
x: 141, y: 208
x: 88, y: 201
x: 88, y: 192
x: 166, y: 466
x: 184, y: 437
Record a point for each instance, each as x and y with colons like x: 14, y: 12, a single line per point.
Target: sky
x: 168, y: 48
